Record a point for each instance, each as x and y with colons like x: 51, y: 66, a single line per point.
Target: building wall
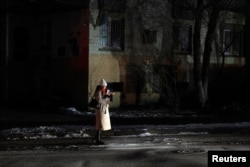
x: 69, y: 63
x: 3, y: 71
x: 154, y: 16
x: 102, y: 64
x: 20, y: 79
x: 107, y: 67
x: 55, y: 59
x: 48, y: 59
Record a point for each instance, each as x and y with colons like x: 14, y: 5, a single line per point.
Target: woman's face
x: 103, y: 88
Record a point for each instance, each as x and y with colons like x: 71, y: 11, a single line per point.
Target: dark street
x: 144, y: 145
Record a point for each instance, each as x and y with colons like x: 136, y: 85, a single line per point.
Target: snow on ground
x: 44, y: 132
x: 127, y: 114
x: 81, y: 131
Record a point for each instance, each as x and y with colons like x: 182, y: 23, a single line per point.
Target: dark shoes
x: 99, y: 143
x: 97, y: 138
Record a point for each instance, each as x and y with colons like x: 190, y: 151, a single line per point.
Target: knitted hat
x: 103, y: 83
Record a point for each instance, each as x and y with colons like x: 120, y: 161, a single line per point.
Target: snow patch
x: 44, y: 132
x: 146, y: 134
x: 71, y: 110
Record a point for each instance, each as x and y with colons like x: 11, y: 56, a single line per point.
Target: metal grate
x: 112, y: 34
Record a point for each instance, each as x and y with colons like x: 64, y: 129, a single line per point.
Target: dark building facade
x: 54, y: 52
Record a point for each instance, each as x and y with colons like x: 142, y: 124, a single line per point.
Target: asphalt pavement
x: 178, y: 140
x: 176, y: 150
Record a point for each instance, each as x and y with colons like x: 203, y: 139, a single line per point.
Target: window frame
x: 235, y: 38
x: 186, y: 35
x: 112, y: 33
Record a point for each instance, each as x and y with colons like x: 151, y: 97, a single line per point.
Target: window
x: 182, y: 9
x: 182, y: 38
x: 232, y: 39
x: 112, y: 33
x: 149, y: 37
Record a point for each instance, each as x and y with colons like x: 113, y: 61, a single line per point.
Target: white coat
x: 102, y: 112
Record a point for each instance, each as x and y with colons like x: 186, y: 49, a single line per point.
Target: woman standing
x: 103, y: 97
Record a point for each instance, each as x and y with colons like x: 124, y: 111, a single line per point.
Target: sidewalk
x: 62, y: 116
